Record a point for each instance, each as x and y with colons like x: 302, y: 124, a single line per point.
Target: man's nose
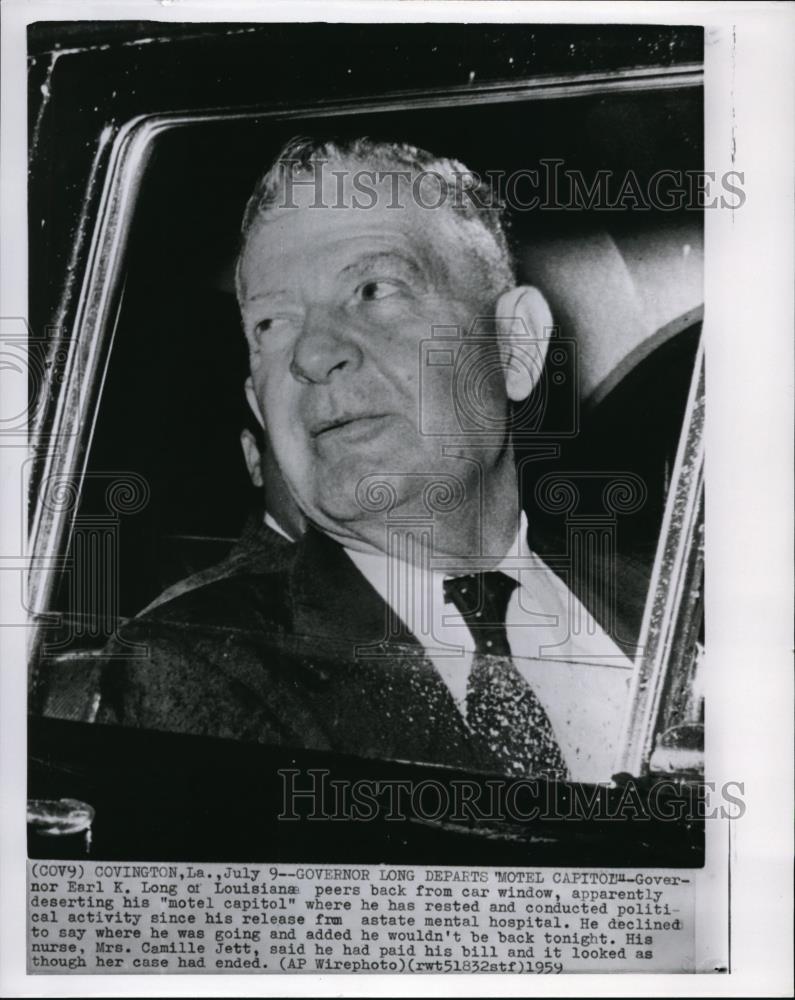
x: 325, y: 348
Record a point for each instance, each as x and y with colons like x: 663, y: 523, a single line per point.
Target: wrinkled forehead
x: 318, y: 214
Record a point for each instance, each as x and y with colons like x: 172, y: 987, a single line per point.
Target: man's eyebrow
x: 372, y: 261
x: 366, y: 264
x: 268, y: 294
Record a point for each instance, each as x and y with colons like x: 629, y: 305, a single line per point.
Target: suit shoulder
x: 244, y: 601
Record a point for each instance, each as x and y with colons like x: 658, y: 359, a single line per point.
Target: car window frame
x: 126, y: 151
x: 662, y: 663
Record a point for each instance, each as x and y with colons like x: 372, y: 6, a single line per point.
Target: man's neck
x: 483, y: 524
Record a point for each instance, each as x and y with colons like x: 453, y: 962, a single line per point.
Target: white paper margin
x: 750, y: 99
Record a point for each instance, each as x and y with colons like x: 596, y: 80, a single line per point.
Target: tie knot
x: 481, y: 598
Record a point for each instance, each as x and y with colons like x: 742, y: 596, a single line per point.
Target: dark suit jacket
x: 259, y: 549
x: 295, y: 656
x: 69, y: 690
x: 292, y: 654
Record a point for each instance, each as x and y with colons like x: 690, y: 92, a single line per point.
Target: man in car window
x: 390, y: 347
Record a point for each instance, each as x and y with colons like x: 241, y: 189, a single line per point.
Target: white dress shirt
x: 270, y: 521
x: 575, y: 669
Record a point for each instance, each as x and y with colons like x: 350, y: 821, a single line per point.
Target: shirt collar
x: 519, y: 552
x: 270, y: 521
x: 373, y: 564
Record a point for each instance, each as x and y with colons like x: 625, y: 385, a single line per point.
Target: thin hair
x: 472, y: 202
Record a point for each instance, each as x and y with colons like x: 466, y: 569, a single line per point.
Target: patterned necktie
x: 501, y: 708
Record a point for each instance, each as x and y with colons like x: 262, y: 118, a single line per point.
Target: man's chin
x: 356, y: 491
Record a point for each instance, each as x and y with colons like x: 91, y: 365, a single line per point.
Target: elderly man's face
x: 336, y: 303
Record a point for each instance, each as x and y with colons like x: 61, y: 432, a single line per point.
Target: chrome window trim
x: 677, y: 565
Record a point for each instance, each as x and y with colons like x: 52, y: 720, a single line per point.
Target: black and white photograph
x: 383, y: 413
x: 365, y: 562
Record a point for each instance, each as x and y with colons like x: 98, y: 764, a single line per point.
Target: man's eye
x: 276, y: 325
x: 273, y: 324
x: 371, y: 291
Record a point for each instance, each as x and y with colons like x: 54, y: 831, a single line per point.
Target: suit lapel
x: 384, y: 693
x: 331, y: 599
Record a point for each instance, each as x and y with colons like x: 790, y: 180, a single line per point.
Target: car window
x: 164, y: 489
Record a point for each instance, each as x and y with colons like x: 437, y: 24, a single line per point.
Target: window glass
x: 172, y: 405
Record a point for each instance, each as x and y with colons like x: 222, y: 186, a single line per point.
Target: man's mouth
x: 350, y: 426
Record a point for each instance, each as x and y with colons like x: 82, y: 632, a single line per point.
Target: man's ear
x: 253, y: 402
x: 523, y: 324
x: 253, y: 457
